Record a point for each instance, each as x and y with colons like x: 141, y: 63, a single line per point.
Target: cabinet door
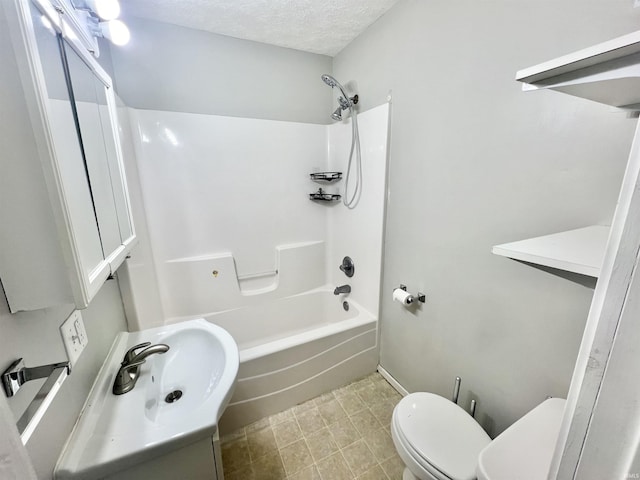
x: 96, y: 112
x: 80, y: 239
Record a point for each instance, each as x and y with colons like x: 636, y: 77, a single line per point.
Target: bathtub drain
x: 345, y: 305
x: 173, y: 396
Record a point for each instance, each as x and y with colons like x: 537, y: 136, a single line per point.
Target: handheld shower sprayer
x: 347, y: 102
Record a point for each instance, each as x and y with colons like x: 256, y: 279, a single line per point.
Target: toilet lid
x: 442, y: 433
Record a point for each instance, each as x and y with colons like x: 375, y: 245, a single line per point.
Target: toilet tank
x: 524, y: 450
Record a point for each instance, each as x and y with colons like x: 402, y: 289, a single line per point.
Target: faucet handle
x: 132, y: 352
x: 125, y: 381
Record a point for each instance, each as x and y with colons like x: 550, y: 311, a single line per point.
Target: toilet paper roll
x: 402, y: 296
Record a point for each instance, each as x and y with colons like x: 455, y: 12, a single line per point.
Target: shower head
x: 345, y: 101
x: 329, y: 80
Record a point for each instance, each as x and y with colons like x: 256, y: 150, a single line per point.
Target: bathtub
x: 293, y: 349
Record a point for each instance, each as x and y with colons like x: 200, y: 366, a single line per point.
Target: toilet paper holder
x: 421, y: 297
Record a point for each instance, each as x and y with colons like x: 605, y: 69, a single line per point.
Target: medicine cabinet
x: 68, y: 106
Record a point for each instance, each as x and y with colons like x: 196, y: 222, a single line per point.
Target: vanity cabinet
x: 64, y: 205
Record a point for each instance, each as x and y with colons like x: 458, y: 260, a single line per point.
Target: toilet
x: 438, y: 440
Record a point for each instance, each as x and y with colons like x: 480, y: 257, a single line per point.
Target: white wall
x: 476, y: 162
x: 201, y: 72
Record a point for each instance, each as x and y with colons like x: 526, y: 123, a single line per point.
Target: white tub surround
x: 359, y: 232
x: 130, y: 431
x: 228, y: 216
x: 200, y: 286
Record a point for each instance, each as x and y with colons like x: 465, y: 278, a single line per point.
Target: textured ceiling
x: 317, y: 26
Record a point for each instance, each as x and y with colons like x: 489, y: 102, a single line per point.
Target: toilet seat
x: 439, y: 435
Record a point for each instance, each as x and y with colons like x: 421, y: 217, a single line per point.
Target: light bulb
x: 116, y: 31
x: 105, y: 9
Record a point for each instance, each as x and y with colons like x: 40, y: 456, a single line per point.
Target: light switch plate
x: 74, y: 336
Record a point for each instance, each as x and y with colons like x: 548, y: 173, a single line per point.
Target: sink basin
x: 178, y: 399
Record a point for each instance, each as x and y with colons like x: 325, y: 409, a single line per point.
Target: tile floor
x: 341, y: 435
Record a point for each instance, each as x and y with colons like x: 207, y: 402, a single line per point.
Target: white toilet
x: 438, y: 440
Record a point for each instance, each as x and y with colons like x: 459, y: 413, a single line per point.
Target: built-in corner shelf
x: 607, y: 73
x: 323, y: 196
x: 325, y: 176
x: 579, y: 251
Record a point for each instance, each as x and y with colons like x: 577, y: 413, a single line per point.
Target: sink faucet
x: 129, y: 371
x: 342, y: 289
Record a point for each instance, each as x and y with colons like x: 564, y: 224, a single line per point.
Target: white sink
x: 115, y: 432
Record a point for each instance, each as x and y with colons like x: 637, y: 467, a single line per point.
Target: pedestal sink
x: 177, y: 401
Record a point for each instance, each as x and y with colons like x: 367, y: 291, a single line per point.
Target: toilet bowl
x: 436, y: 439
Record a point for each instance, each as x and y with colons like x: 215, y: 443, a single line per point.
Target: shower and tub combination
x: 256, y: 257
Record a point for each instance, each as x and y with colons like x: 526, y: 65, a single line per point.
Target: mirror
x: 97, y: 143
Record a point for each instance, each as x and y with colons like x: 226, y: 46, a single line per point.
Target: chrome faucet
x: 129, y: 371
x: 342, y: 289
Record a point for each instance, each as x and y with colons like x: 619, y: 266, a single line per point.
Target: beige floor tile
x: 365, y: 422
x: 370, y: 394
x: 297, y: 444
x: 233, y: 436
x: 309, y: 473
x: 243, y: 473
x: 261, y: 442
x: 310, y: 421
x: 344, y: 432
x: 303, y: 407
x: 360, y: 384
x: 269, y: 467
x: 321, y: 444
x: 334, y: 467
x: 359, y: 457
x: 393, y: 467
x: 281, y: 417
x: 344, y: 390
x: 331, y: 411
x: 383, y: 411
x: 235, y: 455
x: 386, y: 389
x: 259, y: 425
x: 287, y: 432
x: 296, y: 457
x: 351, y: 403
x: 375, y: 473
x: 380, y: 444
x: 324, y: 398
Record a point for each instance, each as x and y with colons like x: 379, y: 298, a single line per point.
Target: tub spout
x: 342, y: 289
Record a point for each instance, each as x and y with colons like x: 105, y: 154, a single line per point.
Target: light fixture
x: 116, y: 31
x: 105, y: 9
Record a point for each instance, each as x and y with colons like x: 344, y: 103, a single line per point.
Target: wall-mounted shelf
x: 325, y: 176
x: 607, y: 73
x: 579, y: 251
